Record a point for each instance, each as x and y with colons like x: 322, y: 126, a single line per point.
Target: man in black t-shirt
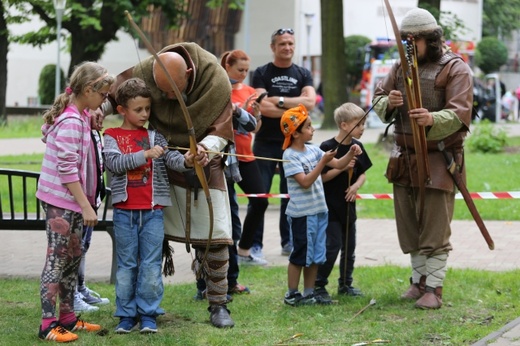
x: 287, y: 85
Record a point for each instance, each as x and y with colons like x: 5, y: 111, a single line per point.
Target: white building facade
x: 260, y: 19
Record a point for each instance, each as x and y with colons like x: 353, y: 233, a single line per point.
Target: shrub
x: 47, y: 84
x: 487, y: 138
x: 491, y: 53
x: 355, y: 56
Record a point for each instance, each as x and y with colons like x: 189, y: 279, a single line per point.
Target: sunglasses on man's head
x: 283, y: 31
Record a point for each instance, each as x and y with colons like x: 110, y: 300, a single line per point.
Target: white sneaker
x: 92, y: 297
x: 81, y: 306
x: 251, y: 260
x: 256, y: 251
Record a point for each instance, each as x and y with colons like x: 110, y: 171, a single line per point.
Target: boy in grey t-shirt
x: 307, y: 209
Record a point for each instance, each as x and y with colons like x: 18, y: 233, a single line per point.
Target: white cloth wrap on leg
x: 436, y: 267
x: 418, y: 266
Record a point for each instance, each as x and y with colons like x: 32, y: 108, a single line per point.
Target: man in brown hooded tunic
x: 206, y: 91
x: 447, y: 98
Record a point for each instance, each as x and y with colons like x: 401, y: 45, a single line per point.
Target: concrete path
x: 22, y: 253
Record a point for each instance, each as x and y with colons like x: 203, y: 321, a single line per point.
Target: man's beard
x: 421, y: 60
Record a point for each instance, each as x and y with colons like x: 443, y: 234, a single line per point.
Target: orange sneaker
x: 82, y: 325
x: 57, y: 333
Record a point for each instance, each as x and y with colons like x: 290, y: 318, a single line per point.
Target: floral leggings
x: 64, y: 228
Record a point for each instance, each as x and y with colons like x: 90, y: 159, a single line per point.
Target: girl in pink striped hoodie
x: 65, y: 190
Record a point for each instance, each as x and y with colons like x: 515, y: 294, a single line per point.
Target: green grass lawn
x: 29, y: 126
x: 476, y: 303
x: 485, y: 172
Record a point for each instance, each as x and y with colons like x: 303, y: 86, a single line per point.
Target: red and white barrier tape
x: 474, y: 195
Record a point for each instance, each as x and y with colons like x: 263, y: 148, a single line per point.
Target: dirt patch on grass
x: 512, y: 150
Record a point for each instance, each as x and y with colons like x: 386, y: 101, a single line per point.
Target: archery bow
x: 410, y: 73
x: 191, y: 132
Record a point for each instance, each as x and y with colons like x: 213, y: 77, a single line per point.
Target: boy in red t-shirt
x: 137, y: 157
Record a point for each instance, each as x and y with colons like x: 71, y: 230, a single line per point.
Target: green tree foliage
x: 354, y: 57
x: 233, y: 4
x: 451, y: 24
x: 333, y: 72
x: 490, y: 54
x: 47, y: 84
x: 500, y: 18
x: 434, y: 6
x: 88, y: 24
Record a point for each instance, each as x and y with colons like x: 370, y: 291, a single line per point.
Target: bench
x: 20, y: 210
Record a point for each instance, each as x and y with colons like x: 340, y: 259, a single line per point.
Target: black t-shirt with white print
x: 287, y: 82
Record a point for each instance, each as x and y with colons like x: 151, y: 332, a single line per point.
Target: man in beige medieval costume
x: 206, y: 91
x: 446, y: 92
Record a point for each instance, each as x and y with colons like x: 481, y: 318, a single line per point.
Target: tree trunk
x: 79, y: 54
x: 82, y: 38
x: 333, y: 70
x: 4, y: 44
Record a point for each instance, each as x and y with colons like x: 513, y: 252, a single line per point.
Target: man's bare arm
x: 269, y: 106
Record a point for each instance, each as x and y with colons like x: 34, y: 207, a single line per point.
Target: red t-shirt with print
x: 139, y: 180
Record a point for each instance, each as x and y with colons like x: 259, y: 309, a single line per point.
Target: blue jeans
x: 139, y: 238
x: 268, y: 170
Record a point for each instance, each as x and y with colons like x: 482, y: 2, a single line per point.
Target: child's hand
x: 154, y: 152
x: 247, y: 102
x: 351, y: 193
x: 188, y: 159
x: 328, y: 156
x: 350, y: 165
x: 201, y: 157
x: 356, y: 150
x: 89, y: 216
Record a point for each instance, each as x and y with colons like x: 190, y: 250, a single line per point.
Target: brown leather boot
x: 415, y: 291
x: 432, y: 299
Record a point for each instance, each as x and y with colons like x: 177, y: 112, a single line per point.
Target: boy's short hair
x: 130, y: 89
x: 292, y: 119
x: 347, y: 112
